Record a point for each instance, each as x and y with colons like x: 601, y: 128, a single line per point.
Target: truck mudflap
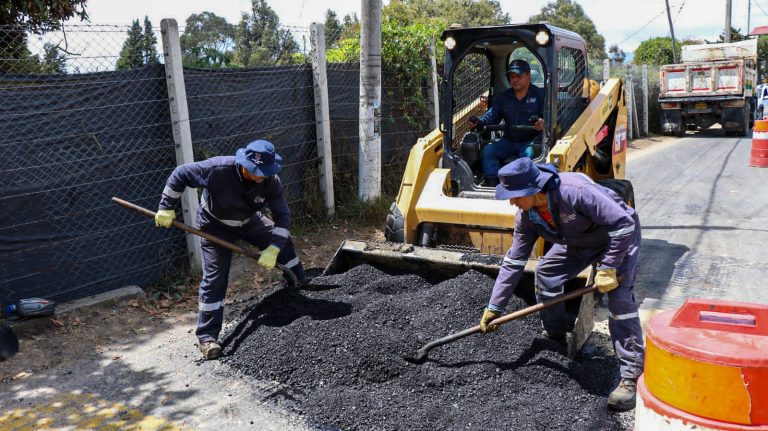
x: 671, y: 121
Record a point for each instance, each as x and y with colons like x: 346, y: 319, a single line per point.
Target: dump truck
x: 715, y: 83
x: 444, y: 221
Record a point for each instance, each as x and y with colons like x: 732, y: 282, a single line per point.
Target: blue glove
x: 268, y: 257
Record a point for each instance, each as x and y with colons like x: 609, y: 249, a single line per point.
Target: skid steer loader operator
x: 586, y: 223
x: 515, y: 106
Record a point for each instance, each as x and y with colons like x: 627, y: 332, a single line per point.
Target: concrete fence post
x: 434, y: 94
x: 630, y: 96
x: 322, y: 115
x: 370, y: 102
x: 182, y: 135
x: 645, y: 100
x: 606, y: 70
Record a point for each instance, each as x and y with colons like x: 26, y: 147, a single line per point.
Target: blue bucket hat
x: 259, y: 158
x: 522, y: 178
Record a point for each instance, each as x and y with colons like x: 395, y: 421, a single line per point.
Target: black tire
x: 622, y: 188
x: 393, y: 231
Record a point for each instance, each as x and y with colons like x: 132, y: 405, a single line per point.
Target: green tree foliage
x: 736, y: 36
x: 261, y: 41
x: 20, y: 17
x: 54, y: 61
x: 208, y: 41
x: 332, y: 28
x: 570, y: 15
x: 658, y: 50
x: 150, y: 41
x: 139, y: 48
x: 616, y: 54
x: 469, y: 13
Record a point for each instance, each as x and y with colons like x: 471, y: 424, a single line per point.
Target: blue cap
x: 259, y: 158
x: 519, y: 67
x: 521, y: 178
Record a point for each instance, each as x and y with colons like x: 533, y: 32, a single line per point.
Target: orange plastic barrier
x: 707, y: 364
x: 759, y: 155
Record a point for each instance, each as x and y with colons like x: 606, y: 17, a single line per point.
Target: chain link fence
x: 74, y: 132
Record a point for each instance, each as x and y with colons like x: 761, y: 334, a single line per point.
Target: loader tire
x: 622, y: 188
x: 393, y: 231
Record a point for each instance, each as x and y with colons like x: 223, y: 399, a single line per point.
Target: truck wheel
x: 393, y: 231
x: 622, y: 188
x: 747, y: 114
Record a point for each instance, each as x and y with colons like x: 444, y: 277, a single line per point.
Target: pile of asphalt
x: 337, y: 356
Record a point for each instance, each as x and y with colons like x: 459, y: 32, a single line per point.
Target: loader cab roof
x: 475, y: 72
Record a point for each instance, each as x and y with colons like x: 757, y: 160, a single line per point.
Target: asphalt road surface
x: 704, y: 217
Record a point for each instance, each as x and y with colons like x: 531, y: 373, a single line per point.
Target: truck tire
x: 747, y: 114
x: 622, y: 188
x: 393, y: 231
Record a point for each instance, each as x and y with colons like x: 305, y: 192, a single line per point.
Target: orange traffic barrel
x: 706, y: 368
x: 759, y: 154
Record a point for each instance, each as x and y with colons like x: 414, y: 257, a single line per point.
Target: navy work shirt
x: 515, y: 112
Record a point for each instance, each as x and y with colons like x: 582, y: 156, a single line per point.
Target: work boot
x: 623, y: 397
x: 210, y: 349
x: 557, y: 338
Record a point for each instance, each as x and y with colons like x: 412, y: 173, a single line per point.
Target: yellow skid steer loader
x: 445, y: 221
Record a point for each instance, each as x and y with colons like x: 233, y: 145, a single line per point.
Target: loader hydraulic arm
x: 578, y: 148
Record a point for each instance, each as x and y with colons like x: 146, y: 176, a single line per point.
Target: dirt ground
x: 46, y: 343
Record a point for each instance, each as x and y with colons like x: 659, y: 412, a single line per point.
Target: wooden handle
x: 209, y: 237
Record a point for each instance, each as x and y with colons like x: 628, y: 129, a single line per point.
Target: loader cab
x: 476, y: 64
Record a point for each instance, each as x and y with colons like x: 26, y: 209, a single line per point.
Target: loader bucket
x: 437, y: 264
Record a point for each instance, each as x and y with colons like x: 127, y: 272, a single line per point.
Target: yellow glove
x: 268, y: 257
x: 488, y: 316
x: 606, y: 280
x: 164, y: 218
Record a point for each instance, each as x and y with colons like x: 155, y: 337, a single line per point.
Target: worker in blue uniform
x: 586, y: 223
x: 235, y: 191
x: 516, y: 106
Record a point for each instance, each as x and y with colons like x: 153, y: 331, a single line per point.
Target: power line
x: 649, y: 23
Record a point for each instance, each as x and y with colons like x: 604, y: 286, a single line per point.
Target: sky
x: 622, y: 22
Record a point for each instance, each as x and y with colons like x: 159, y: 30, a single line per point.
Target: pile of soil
x: 338, y: 355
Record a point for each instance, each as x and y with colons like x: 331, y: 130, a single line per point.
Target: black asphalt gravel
x: 338, y: 356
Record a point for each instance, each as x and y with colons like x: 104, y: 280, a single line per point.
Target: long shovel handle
x: 422, y: 353
x: 214, y: 239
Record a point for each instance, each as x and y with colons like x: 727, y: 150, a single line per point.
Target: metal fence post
x: 645, y: 100
x: 630, y: 93
x: 182, y: 135
x: 370, y: 101
x: 434, y: 95
x: 322, y: 115
x: 606, y: 70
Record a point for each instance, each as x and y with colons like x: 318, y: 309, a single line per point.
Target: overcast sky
x: 626, y: 22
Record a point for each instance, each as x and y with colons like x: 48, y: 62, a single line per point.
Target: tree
x: 139, y: 48
x: 469, y: 13
x: 208, y: 41
x: 569, y: 15
x: 54, y: 61
x: 20, y: 17
x: 260, y: 40
x: 332, y: 28
x: 658, y: 50
x: 616, y: 54
x: 150, y: 40
x: 735, y: 36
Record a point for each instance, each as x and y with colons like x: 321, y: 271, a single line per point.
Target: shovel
x: 421, y: 354
x: 9, y: 344
x: 209, y: 237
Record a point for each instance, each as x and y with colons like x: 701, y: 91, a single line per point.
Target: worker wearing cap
x: 236, y: 190
x: 515, y: 106
x: 586, y: 223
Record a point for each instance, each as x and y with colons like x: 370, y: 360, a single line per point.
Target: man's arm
x: 598, y: 205
x: 278, y: 205
x: 513, y: 265
x: 187, y: 175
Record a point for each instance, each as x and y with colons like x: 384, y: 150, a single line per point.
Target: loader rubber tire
x: 622, y: 188
x: 393, y: 231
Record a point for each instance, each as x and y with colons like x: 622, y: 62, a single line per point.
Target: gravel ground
x: 338, y: 355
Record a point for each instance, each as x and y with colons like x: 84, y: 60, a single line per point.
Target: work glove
x: 268, y: 257
x: 606, y: 279
x: 488, y: 316
x: 164, y: 218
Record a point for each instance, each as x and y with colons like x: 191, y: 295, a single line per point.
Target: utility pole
x: 727, y: 34
x: 749, y: 15
x: 672, y: 33
x: 369, y: 158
